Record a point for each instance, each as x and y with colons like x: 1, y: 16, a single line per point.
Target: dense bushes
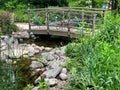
x: 95, y: 62
x: 6, y: 23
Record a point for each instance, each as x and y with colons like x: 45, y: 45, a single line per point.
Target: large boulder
x: 52, y: 73
x: 35, y: 65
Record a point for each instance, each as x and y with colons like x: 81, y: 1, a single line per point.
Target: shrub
x: 21, y: 13
x: 94, y: 63
x: 6, y: 23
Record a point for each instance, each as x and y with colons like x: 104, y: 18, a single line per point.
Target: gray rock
x: 54, y: 64
x: 3, y: 48
x: 50, y: 57
x: 31, y: 54
x: 14, y: 53
x: 45, y: 62
x: 11, y: 40
x: 48, y: 49
x: 37, y: 80
x: 2, y: 43
x: 63, y: 76
x: 52, y: 73
x: 64, y: 70
x: 53, y: 81
x: 35, y: 88
x: 24, y: 34
x: 2, y: 56
x: 35, y: 65
x: 57, y: 57
x: 4, y: 36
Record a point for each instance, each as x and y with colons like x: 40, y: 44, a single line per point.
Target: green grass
x: 95, y: 62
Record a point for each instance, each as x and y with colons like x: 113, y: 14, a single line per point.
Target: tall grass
x: 95, y: 62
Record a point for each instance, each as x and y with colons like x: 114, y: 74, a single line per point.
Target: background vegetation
x: 19, y: 7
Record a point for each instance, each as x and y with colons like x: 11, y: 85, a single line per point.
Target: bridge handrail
x: 69, y: 10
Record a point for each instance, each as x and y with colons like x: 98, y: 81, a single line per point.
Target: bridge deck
x: 57, y: 31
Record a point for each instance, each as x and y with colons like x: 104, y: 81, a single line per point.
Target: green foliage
x: 28, y: 87
x: 37, y: 20
x: 87, y: 3
x: 111, y: 28
x: 46, y: 3
x: 43, y: 85
x: 39, y: 59
x: 95, y: 62
x: 10, y: 5
x: 21, y: 13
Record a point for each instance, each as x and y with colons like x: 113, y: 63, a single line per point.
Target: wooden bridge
x: 64, y: 21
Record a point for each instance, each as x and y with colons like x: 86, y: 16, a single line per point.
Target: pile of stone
x: 51, y: 68
x: 10, y: 47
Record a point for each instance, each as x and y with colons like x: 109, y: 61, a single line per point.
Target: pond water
x: 17, y: 75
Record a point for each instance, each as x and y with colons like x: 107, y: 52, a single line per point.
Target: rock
x: 52, y: 73
x: 31, y: 54
x: 33, y: 58
x: 48, y: 49
x: 3, y: 48
x: 63, y: 76
x: 53, y: 64
x: 53, y: 81
x: 35, y: 65
x: 35, y: 88
x: 50, y: 57
x: 2, y: 43
x: 57, y: 57
x: 21, y: 40
x: 64, y: 70
x: 9, y: 61
x: 24, y: 34
x: 47, y: 56
x: 30, y: 48
x: 42, y: 48
x: 15, y: 53
x: 37, y: 80
x: 2, y: 56
x: 11, y: 40
x: 45, y: 62
x: 4, y: 36
x: 46, y: 79
x: 25, y: 56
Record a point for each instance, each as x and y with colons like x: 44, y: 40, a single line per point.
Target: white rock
x: 64, y: 70
x: 35, y: 88
x: 48, y: 49
x: 37, y: 80
x: 63, y: 76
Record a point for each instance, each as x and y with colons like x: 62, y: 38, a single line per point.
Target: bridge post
x: 82, y: 18
x: 63, y: 18
x: 29, y: 18
x: 94, y: 19
x: 47, y: 20
x: 69, y: 22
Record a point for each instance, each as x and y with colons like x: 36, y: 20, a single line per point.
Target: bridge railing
x: 65, y: 19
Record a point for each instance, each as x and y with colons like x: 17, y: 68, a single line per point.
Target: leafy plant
x: 43, y: 85
x: 28, y: 87
x: 39, y: 59
x: 37, y: 20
